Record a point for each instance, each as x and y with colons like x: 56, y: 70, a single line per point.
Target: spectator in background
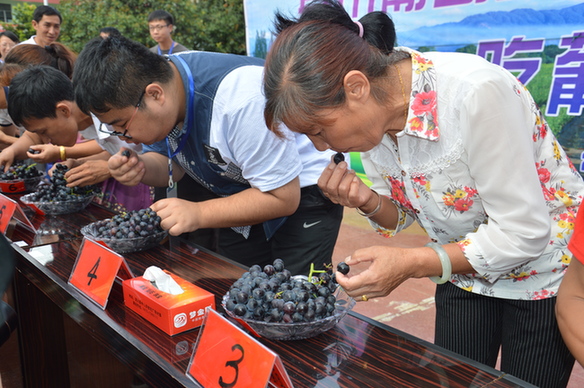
x: 161, y: 25
x: 109, y: 31
x: 46, y: 21
x: 570, y: 304
x: 8, y: 40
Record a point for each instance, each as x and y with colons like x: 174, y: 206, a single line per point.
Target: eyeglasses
x: 157, y: 28
x: 104, y: 129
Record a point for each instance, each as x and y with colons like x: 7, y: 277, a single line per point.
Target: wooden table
x: 358, y: 352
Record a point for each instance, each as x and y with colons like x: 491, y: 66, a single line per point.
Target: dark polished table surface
x: 358, y: 352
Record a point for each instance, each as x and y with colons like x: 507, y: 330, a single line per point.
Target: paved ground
x: 410, y: 308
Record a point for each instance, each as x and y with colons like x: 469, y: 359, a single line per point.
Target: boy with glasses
x: 161, y: 25
x: 201, y: 114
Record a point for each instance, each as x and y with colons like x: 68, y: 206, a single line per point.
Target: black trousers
x: 308, y: 236
x: 526, y: 332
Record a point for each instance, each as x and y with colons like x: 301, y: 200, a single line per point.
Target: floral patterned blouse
x: 478, y: 165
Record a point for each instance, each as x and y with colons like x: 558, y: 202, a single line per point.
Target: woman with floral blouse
x: 456, y: 144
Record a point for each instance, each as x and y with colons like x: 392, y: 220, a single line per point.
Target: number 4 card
x: 96, y: 269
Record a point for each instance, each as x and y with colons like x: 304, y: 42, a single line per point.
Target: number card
x: 95, y: 271
x: 12, y: 187
x: 227, y: 357
x: 10, y: 208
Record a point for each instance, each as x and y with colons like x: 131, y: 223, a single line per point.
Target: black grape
x: 132, y: 224
x: 21, y: 171
x: 57, y: 191
x: 272, y: 296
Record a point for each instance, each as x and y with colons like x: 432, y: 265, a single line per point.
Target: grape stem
x: 313, y: 271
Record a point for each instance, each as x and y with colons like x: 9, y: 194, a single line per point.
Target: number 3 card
x: 226, y: 357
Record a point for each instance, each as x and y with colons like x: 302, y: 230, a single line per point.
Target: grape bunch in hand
x: 57, y: 190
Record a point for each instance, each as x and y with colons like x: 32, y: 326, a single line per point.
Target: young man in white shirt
x: 46, y: 21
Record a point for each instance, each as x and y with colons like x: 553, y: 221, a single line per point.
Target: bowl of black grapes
x: 278, y: 306
x: 132, y: 231
x: 54, y: 197
x: 20, y: 178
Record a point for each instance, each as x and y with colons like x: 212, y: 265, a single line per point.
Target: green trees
x: 211, y: 25
x: 22, y: 16
x: 219, y: 25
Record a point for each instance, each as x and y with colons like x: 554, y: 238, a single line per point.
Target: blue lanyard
x: 169, y: 51
x: 189, y: 120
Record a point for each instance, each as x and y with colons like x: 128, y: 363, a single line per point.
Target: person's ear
x: 63, y: 108
x: 155, y: 93
x: 356, y: 85
x: 35, y: 24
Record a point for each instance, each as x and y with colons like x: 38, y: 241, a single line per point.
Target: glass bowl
x: 297, y: 330
x: 15, y: 186
x: 123, y: 245
x: 74, y: 205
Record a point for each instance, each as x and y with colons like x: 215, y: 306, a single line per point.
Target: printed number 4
x: 92, y: 273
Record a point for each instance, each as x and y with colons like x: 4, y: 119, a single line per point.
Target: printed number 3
x: 234, y: 364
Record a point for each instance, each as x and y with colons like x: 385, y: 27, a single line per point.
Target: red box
x: 173, y: 314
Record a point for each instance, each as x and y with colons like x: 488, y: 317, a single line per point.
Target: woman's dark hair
x: 56, y: 55
x: 113, y: 73
x: 378, y: 30
x: 10, y: 35
x: 307, y: 63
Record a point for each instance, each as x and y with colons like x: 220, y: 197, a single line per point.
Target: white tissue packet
x: 163, y: 281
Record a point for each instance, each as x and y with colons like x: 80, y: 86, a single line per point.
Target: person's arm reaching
x: 570, y: 309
